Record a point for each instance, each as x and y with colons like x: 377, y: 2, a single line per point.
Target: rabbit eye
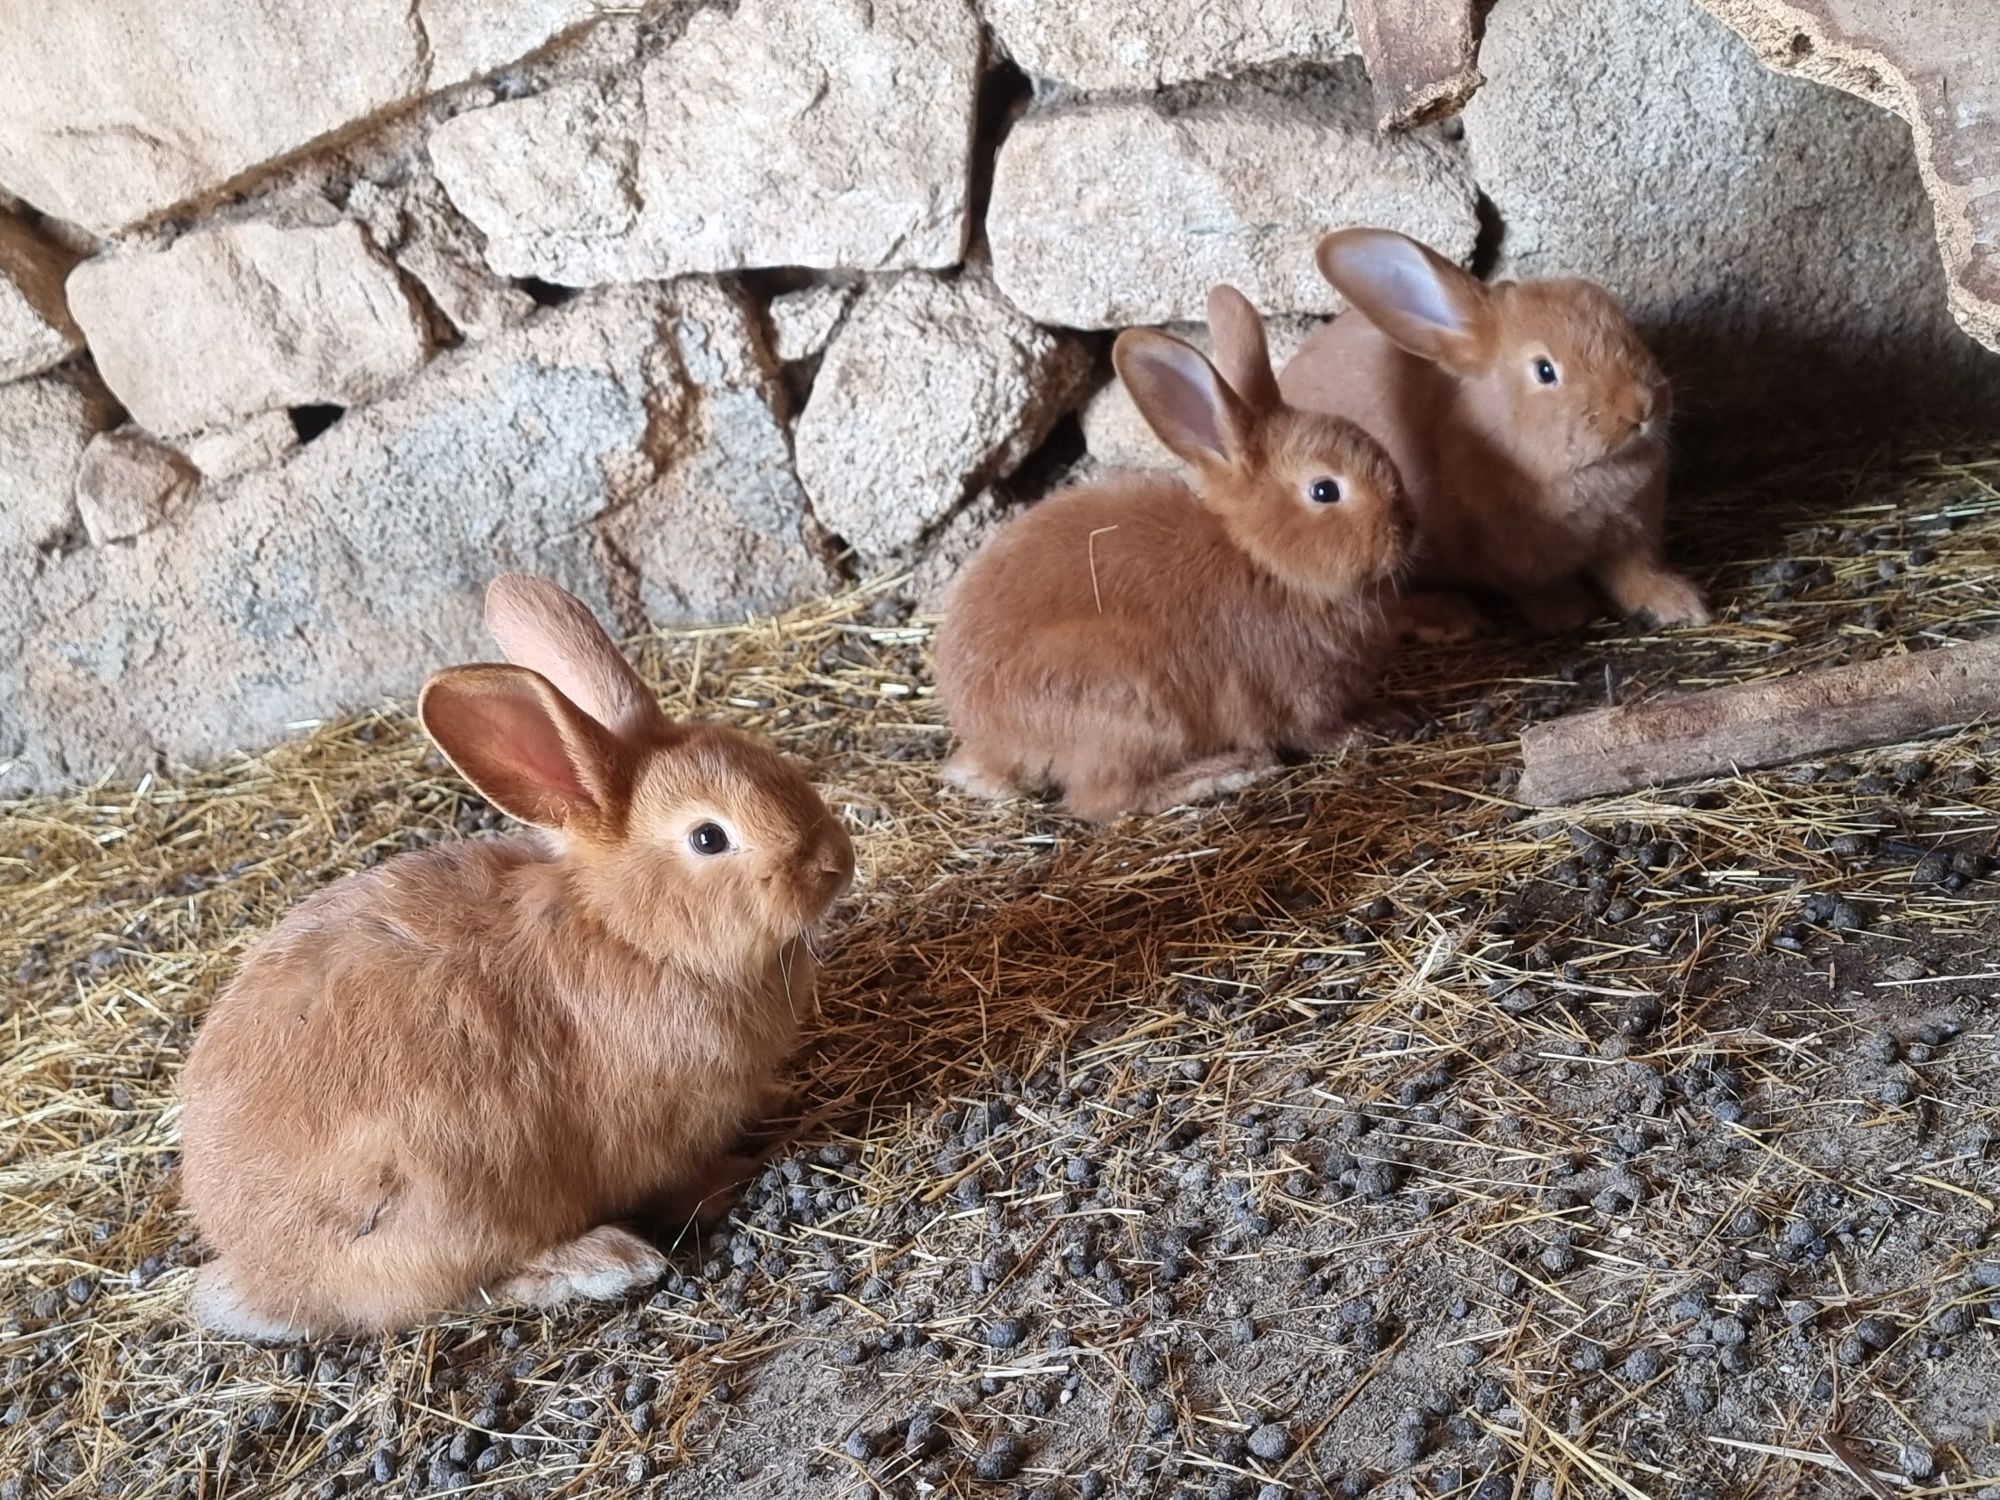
x: 1324, y: 491
x: 709, y: 838
x: 1545, y: 370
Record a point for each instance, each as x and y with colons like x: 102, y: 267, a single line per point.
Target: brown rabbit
x: 1528, y: 420
x: 446, y: 1078
x: 1136, y: 642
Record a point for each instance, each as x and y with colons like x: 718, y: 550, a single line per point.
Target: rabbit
x: 1528, y: 420
x: 447, y: 1078
x: 1137, y: 642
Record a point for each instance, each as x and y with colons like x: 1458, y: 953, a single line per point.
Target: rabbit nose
x: 1620, y: 424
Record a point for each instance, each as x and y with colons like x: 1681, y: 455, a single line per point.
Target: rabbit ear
x: 530, y: 751
x: 551, y: 630
x: 1423, y: 302
x: 1242, y: 354
x: 1182, y: 397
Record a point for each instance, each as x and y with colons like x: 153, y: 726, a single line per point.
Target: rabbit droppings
x: 448, y: 1077
x: 1136, y: 641
x: 1528, y: 420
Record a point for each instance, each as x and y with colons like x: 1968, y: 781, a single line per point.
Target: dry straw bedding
x: 1359, y: 1135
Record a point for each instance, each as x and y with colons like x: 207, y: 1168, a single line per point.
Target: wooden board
x: 1756, y: 724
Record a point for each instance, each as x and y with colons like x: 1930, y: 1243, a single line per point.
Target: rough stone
x: 128, y: 483
x: 46, y: 422
x: 803, y: 321
x: 932, y: 390
x: 103, y: 123
x: 1136, y: 45
x: 466, y: 38
x: 1118, y: 437
x: 345, y: 574
x: 1107, y: 215
x: 1936, y: 65
x: 821, y: 133
x: 721, y: 532
x: 225, y: 452
x: 552, y: 182
x: 416, y: 226
x: 235, y: 321
x: 35, y: 326
x: 1755, y: 225
x: 45, y: 425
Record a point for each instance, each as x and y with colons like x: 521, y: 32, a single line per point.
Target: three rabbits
x: 455, y: 1075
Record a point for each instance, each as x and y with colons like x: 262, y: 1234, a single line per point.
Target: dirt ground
x: 1363, y: 1135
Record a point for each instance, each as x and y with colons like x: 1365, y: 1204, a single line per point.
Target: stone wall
x: 312, y: 319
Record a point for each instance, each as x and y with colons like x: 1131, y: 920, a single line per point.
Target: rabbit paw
x: 777, y: 1099
x: 1669, y: 599
x: 1434, y: 618
x: 218, y: 1302
x: 1641, y: 587
x: 966, y: 774
x: 607, y: 1262
x: 1203, y: 781
x: 1558, y: 608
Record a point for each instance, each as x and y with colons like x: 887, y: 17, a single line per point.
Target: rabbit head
x: 1311, y: 498
x: 693, y: 843
x: 1550, y: 373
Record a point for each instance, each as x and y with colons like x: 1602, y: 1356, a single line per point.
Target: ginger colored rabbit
x: 1528, y: 420
x: 1137, y: 641
x: 449, y: 1078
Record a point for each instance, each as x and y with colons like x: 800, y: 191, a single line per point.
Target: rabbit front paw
x: 1642, y: 588
x: 1558, y: 607
x: 1670, y: 599
x: 604, y: 1264
x: 1431, y: 617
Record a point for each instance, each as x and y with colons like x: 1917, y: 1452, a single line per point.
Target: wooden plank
x: 1756, y: 724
